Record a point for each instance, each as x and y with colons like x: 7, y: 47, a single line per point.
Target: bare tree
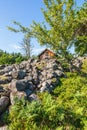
x: 26, y: 46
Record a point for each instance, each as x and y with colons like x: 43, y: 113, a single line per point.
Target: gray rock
x: 59, y: 73
x: 5, y: 92
x: 1, y: 89
x: 44, y: 87
x: 21, y: 74
x: 49, y: 65
x: 8, y: 69
x: 33, y: 97
x: 4, y: 102
x: 44, y: 73
x: 35, y: 81
x: 1, y: 72
x: 29, y: 70
x: 2, y: 67
x: 35, y: 76
x: 40, y: 77
x: 28, y: 92
x: 49, y: 81
x: 51, y: 75
x: 55, y: 66
x: 31, y: 86
x: 8, y: 74
x: 18, y: 85
x: 14, y: 74
x: 76, y: 65
x: 5, y: 80
x: 51, y: 87
x: 29, y: 78
x: 48, y: 85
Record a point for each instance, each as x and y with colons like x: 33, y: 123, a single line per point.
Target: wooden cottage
x: 46, y: 54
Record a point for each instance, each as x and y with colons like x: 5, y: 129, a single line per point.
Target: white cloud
x: 15, y: 46
x: 35, y: 50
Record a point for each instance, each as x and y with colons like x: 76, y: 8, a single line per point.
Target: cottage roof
x: 46, y: 50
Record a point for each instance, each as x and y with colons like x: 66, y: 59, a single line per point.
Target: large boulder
x: 18, y: 85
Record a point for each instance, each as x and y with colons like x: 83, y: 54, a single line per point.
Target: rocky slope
x: 26, y: 79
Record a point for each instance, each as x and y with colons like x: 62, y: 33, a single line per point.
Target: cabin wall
x: 46, y: 54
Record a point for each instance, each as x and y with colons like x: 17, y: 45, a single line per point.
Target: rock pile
x: 26, y: 79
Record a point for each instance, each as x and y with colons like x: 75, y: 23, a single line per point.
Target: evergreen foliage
x: 7, y: 58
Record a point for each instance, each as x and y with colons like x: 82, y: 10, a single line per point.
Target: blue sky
x: 23, y: 11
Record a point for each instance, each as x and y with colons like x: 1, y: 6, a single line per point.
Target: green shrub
x: 38, y: 115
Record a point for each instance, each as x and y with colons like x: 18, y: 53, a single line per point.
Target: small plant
x: 53, y: 80
x: 41, y: 65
